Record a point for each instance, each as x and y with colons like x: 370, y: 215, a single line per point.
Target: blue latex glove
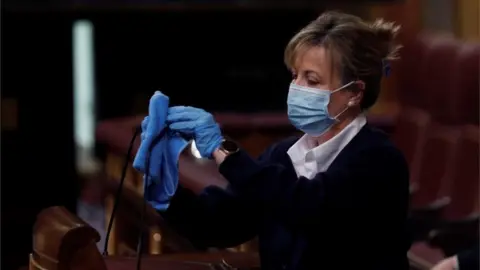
x: 198, y: 124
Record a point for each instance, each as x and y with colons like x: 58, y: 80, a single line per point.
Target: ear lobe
x: 357, y: 99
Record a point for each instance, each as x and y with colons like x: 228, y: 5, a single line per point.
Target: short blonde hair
x: 359, y: 50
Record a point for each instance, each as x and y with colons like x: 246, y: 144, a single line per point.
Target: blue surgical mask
x: 308, y: 109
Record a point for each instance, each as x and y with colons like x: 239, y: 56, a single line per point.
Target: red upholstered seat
x: 466, y: 72
x: 411, y: 63
x: 464, y: 191
x: 437, y: 164
x: 446, y: 202
x: 424, y: 92
x: 460, y: 218
x: 437, y: 78
x: 410, y: 133
x: 464, y: 110
x: 438, y: 155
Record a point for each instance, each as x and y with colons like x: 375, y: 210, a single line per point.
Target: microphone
x: 137, y: 131
x: 118, y: 194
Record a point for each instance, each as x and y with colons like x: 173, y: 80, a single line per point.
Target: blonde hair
x: 359, y: 50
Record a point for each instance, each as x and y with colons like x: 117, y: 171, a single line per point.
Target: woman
x: 336, y: 198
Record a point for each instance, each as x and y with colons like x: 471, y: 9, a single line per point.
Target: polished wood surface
x: 227, y: 260
x: 62, y: 241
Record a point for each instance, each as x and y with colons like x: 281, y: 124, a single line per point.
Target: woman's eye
x: 294, y: 76
x: 311, y: 82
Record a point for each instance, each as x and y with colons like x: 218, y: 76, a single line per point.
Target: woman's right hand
x: 198, y: 124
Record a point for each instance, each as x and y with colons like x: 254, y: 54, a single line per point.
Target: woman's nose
x: 299, y: 81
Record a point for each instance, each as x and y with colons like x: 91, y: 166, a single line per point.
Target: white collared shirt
x: 309, y: 160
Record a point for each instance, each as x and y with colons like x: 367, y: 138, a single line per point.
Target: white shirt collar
x: 309, y: 160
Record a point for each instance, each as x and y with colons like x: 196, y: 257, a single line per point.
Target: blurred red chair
x: 437, y: 80
x: 447, y: 196
x: 424, y: 88
x: 459, y: 103
x: 434, y: 163
x: 412, y: 56
x: 435, y: 176
x: 464, y: 191
x: 459, y: 228
x: 465, y: 104
x: 409, y: 136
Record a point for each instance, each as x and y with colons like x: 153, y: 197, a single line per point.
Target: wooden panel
x: 468, y: 19
x: 9, y: 114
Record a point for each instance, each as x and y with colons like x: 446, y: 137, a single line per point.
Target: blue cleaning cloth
x: 162, y: 181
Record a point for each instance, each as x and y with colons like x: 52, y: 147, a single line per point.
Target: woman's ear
x: 358, y: 94
x: 356, y: 100
x: 360, y: 84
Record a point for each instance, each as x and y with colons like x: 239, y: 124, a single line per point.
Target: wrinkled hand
x: 198, y: 124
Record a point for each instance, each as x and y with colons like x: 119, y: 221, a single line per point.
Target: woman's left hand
x: 198, y: 124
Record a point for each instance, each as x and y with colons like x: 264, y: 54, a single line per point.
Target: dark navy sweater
x: 468, y: 259
x: 352, y: 216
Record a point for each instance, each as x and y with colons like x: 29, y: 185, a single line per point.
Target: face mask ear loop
x: 342, y: 87
x: 346, y: 107
x: 340, y: 113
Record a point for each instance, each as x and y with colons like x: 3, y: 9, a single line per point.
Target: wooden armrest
x: 61, y: 240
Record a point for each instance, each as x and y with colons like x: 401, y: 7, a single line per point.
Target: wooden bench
x: 62, y: 241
